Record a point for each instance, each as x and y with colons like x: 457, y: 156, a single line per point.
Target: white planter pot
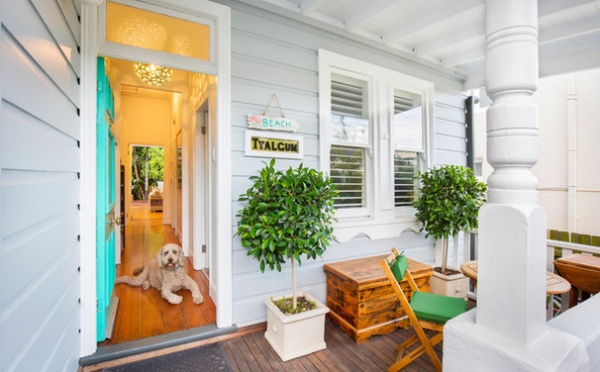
x: 455, y: 285
x: 295, y: 335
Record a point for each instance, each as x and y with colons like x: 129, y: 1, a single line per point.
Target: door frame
x: 221, y: 273
x: 201, y: 181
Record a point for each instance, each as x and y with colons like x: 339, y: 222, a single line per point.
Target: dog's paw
x: 198, y: 300
x: 145, y: 285
x: 175, y: 300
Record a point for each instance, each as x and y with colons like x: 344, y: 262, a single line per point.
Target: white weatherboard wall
x: 274, y: 54
x: 39, y: 186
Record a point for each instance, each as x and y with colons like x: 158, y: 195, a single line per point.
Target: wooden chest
x: 360, y: 299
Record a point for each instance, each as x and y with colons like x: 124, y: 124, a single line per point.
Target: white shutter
x: 349, y: 111
x: 406, y: 165
x: 347, y: 171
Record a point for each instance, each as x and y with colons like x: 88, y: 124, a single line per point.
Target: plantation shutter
x: 350, y: 138
x: 407, y: 136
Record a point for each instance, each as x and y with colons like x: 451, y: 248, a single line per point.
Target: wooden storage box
x: 361, y: 301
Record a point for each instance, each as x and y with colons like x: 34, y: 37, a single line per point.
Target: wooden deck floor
x: 247, y: 350
x: 252, y: 352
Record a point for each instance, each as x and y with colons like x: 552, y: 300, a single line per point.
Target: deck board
x: 252, y: 352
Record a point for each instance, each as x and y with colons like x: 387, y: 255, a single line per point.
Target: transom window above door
x: 184, y: 41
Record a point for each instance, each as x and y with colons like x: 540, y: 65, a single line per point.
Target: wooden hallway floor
x: 142, y: 313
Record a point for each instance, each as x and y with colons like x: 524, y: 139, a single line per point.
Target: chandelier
x: 152, y: 74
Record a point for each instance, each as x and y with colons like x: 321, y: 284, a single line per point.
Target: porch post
x: 508, y: 330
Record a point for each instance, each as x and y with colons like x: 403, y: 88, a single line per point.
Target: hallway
x: 142, y: 313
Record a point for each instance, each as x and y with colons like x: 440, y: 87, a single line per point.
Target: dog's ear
x: 181, y: 257
x: 160, y: 263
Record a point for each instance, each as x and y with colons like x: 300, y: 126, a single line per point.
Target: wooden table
x: 361, y: 300
x: 554, y: 283
x: 583, y: 272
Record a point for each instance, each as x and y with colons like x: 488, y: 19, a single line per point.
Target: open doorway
x: 156, y: 147
x: 147, y: 180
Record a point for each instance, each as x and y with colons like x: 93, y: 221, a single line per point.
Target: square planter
x: 295, y: 335
x: 455, y: 285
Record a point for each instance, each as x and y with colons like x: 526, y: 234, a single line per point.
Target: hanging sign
x: 273, y: 123
x: 273, y: 145
x: 269, y: 123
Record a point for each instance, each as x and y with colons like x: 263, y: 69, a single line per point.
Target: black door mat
x: 205, y: 358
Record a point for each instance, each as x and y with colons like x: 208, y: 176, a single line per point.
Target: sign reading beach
x: 270, y: 123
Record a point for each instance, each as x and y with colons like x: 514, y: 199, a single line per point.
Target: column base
x: 471, y: 347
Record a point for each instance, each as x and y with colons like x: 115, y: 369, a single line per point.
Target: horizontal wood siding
x: 277, y: 55
x: 39, y: 186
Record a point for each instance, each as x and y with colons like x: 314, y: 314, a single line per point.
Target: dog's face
x: 171, y: 257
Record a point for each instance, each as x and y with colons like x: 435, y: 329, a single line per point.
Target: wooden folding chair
x: 426, y: 312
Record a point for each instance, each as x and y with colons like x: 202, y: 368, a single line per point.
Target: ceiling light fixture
x: 152, y: 74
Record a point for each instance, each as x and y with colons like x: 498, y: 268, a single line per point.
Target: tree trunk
x: 294, y: 299
x: 444, y: 255
x: 146, y: 176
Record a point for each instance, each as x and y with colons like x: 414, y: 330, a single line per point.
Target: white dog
x: 166, y: 274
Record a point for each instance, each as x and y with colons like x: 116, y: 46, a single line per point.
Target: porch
x: 248, y: 350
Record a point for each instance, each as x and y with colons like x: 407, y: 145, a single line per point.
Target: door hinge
x: 203, y: 248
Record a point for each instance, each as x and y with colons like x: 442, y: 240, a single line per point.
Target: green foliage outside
x: 287, y: 214
x: 449, y: 200
x: 147, y: 169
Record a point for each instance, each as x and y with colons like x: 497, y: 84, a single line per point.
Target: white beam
x: 570, y: 29
x: 556, y: 6
x: 472, y: 55
x: 424, y: 21
x: 308, y: 6
x: 452, y: 38
x: 366, y: 14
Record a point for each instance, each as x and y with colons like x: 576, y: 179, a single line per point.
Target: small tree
x: 449, y: 200
x: 287, y: 215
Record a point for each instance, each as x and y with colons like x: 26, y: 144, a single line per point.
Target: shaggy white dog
x: 167, y: 274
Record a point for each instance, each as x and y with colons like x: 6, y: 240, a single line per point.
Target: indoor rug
x: 204, y: 358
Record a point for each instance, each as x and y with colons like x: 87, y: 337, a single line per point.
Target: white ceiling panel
x: 451, y: 33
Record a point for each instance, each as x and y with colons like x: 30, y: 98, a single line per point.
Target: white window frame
x: 379, y: 218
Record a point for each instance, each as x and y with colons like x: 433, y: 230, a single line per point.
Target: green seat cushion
x: 436, y: 308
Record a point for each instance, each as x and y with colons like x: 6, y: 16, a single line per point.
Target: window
x: 374, y: 126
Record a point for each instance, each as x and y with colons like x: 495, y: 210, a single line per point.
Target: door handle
x: 115, y: 221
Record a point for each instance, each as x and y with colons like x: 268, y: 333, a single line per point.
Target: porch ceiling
x: 450, y: 35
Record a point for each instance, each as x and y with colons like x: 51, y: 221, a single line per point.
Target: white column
x: 508, y: 331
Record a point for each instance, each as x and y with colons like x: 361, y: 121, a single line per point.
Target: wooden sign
x: 270, y: 123
x: 273, y: 145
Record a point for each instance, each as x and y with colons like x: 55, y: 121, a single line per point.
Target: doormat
x: 207, y: 358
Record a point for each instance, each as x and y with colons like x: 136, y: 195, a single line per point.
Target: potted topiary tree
x: 289, y: 214
x: 449, y: 200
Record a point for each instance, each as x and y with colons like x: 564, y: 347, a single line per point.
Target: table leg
x: 573, y: 294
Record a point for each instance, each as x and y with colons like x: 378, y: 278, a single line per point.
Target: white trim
x: 222, y: 69
x: 88, y: 180
x: 224, y: 241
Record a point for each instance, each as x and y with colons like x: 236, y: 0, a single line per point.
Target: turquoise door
x: 105, y: 200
